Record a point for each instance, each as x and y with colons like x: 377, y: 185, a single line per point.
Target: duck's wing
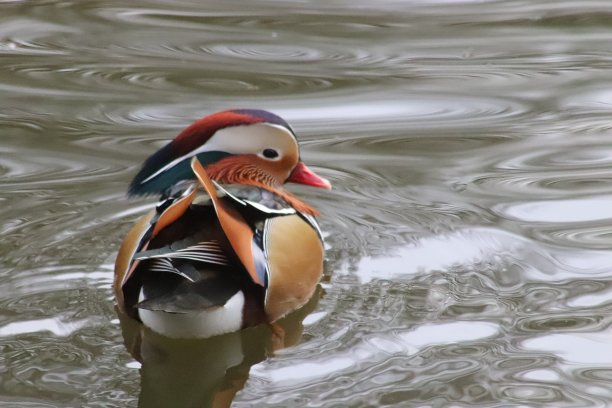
x: 141, y: 234
x: 238, y: 231
x: 178, y: 231
x: 209, y: 251
x: 180, y: 296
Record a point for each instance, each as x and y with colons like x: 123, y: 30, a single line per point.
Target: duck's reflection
x: 178, y: 373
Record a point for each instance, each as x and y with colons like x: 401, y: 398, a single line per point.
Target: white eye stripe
x: 252, y: 139
x: 247, y: 139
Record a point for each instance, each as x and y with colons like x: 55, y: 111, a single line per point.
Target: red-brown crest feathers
x: 203, y: 129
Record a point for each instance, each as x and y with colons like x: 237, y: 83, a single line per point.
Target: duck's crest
x: 171, y: 163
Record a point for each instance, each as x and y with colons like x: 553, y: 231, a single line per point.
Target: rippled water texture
x: 469, y: 233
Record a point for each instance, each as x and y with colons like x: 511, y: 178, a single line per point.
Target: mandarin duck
x: 227, y: 247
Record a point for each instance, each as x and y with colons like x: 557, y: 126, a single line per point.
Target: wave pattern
x: 468, y: 232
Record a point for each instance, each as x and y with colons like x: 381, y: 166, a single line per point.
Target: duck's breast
x: 295, y: 254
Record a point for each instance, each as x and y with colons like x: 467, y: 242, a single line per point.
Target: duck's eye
x: 270, y: 153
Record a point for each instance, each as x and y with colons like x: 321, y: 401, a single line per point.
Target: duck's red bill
x: 303, y: 175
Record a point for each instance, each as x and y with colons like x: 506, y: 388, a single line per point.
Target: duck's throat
x: 252, y: 175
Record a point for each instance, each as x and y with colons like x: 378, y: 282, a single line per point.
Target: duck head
x: 244, y: 146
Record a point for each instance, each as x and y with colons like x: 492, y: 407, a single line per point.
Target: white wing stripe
x: 195, y: 256
x: 208, y: 251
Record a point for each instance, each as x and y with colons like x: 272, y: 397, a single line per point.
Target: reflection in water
x: 185, y: 373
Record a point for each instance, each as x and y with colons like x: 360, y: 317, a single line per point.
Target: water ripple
x: 467, y: 232
x: 23, y: 36
x: 24, y: 172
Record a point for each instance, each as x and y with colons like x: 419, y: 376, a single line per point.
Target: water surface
x: 468, y: 233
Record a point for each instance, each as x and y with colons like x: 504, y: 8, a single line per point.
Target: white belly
x: 200, y: 324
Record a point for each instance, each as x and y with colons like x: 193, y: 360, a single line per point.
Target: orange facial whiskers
x: 252, y: 171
